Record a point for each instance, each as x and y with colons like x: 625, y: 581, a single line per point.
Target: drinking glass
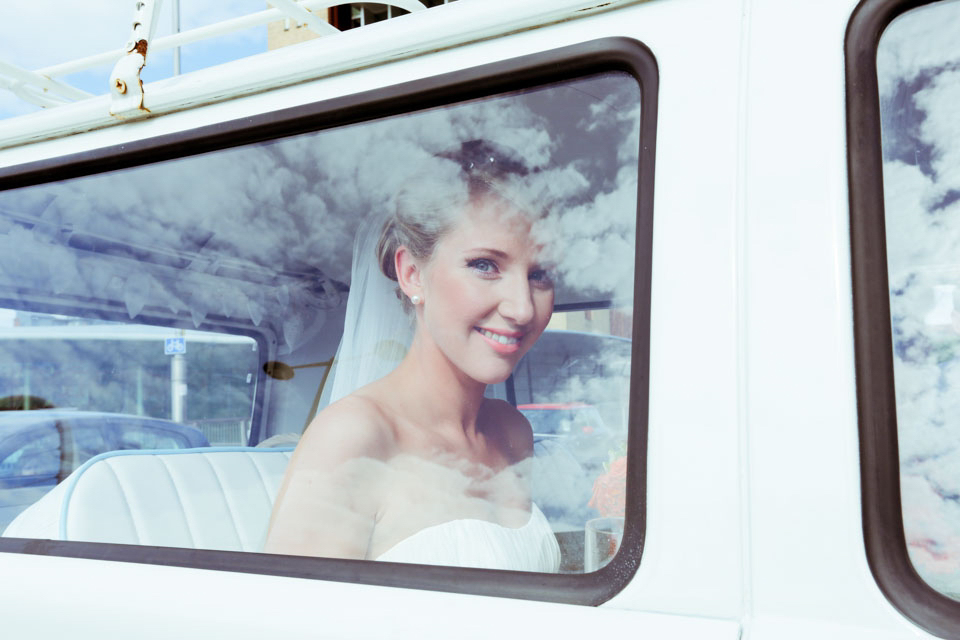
x: 602, y: 541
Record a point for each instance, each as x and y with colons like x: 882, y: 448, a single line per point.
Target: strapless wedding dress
x: 482, y: 544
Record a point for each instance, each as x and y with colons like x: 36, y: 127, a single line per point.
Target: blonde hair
x: 422, y: 216
x: 429, y: 206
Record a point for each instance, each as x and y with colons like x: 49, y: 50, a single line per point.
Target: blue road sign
x: 174, y: 346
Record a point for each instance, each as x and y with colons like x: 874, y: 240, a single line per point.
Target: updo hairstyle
x: 427, y: 207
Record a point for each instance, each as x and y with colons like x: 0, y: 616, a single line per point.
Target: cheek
x: 450, y: 291
x: 451, y: 298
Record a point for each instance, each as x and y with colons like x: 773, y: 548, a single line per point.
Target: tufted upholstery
x: 195, y: 498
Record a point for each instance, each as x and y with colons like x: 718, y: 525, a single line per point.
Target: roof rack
x: 43, y: 87
x: 377, y: 41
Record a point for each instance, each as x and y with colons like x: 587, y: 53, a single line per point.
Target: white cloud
x: 295, y: 204
x: 909, y: 46
x: 919, y: 73
x: 941, y: 127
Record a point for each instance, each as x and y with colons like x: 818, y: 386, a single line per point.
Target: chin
x: 491, y: 376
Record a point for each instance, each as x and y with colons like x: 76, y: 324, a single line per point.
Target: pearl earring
x: 415, y: 299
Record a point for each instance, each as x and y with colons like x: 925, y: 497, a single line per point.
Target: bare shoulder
x: 353, y: 427
x: 330, y: 495
x: 508, y: 428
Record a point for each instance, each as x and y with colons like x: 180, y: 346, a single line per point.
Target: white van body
x: 753, y: 503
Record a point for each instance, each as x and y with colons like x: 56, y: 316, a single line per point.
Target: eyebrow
x: 496, y: 252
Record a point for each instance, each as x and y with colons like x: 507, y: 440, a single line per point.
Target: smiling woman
x: 481, y: 298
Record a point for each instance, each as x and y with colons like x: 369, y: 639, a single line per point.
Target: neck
x: 437, y: 392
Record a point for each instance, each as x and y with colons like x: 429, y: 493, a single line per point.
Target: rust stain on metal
x: 141, y: 47
x: 140, y: 106
x: 121, y: 86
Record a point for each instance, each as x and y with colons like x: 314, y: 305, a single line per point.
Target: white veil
x: 376, y: 330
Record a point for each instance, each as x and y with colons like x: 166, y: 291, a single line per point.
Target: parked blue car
x: 39, y: 448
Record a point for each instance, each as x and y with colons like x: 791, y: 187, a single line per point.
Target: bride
x: 418, y: 465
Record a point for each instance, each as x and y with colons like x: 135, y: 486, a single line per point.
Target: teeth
x: 499, y: 338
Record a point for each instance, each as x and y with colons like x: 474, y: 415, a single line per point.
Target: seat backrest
x: 195, y: 498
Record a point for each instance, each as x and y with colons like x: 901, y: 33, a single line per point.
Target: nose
x: 516, y: 305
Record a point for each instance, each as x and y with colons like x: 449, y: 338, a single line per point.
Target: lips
x: 503, y: 342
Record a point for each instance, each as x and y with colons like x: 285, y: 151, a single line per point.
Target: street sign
x: 174, y: 346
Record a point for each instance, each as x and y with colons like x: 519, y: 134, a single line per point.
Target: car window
x: 74, y: 387
x: 213, y: 290
x: 918, y: 67
x: 31, y: 460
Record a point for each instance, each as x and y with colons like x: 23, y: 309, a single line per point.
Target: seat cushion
x: 194, y: 498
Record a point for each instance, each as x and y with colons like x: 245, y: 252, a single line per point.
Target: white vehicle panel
x: 753, y: 499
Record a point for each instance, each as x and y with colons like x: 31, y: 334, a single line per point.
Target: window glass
x: 918, y: 65
x: 363, y: 13
x: 230, y: 293
x: 72, y: 388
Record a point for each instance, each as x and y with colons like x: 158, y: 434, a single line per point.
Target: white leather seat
x: 195, y: 498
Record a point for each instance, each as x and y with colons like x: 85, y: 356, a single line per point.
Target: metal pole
x: 178, y: 388
x: 26, y: 387
x: 175, y: 10
x: 139, y: 390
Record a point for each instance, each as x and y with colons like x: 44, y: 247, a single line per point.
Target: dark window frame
x: 883, y: 530
x: 567, y: 63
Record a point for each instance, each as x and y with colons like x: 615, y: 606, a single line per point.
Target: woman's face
x: 486, y: 296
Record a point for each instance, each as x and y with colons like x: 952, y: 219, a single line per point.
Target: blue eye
x: 483, y: 265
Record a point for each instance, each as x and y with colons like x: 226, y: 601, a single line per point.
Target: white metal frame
x: 452, y: 26
x: 43, y: 87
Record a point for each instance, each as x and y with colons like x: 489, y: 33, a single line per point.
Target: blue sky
x: 38, y: 33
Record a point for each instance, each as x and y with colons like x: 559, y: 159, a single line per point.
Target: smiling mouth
x: 506, y: 340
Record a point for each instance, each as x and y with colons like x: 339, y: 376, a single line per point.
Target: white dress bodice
x: 482, y: 544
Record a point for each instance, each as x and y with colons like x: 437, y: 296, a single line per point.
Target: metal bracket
x: 126, y: 88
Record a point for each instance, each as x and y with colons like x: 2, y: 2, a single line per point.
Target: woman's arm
x: 328, y: 502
